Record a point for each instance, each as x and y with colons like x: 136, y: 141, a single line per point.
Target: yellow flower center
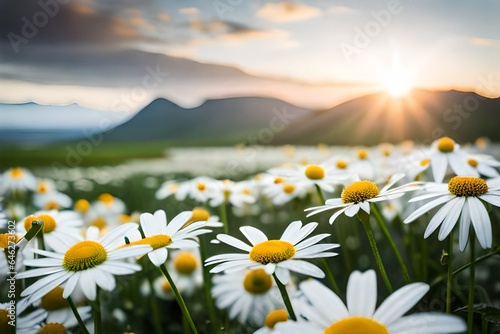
x: 198, y: 214
x: 4, y: 322
x: 446, y: 145
x: 362, y: 154
x: 51, y: 205
x: 82, y: 205
x: 100, y: 223
x: 257, y: 281
x: 16, y: 173
x: 472, y: 162
x: 272, y: 251
x: 52, y: 328
x: 288, y: 188
x: 201, y: 186
x: 279, y: 180
x: 172, y: 187
x: 155, y: 241
x: 5, y: 238
x: 356, y: 325
x: 49, y: 224
x: 315, y: 172
x: 54, y: 300
x: 276, y: 316
x: 124, y: 218
x: 185, y: 263
x: 42, y: 187
x: 359, y: 191
x: 84, y: 255
x: 106, y: 199
x: 246, y: 192
x: 467, y: 186
x: 341, y: 164
x: 166, y: 287
x: 425, y: 162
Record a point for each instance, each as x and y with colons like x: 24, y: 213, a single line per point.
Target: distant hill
x: 215, y: 122
x: 421, y: 116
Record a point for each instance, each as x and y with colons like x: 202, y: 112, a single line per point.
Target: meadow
x: 366, y: 227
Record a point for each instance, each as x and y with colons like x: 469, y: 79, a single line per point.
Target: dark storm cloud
x: 60, y: 22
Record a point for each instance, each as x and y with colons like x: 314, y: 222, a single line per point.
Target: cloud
x: 481, y: 41
x: 232, y: 31
x: 287, y: 12
x: 188, y: 11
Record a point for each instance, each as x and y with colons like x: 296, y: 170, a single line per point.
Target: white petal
x: 327, y: 304
x: 225, y: 257
x: 365, y: 206
x: 315, y: 249
x: 397, y: 304
x: 439, y: 165
x: 302, y: 233
x: 492, y: 199
x: 270, y: 268
x: 480, y: 221
x: 88, y: 285
x: 352, y: 210
x: 395, y: 178
x: 41, y: 287
x: 158, y: 256
x: 439, y: 217
x: 255, y: 236
x: 117, y: 235
x: 150, y: 226
x: 432, y: 323
x: 120, y: 268
x: 311, y: 241
x: 232, y: 241
x: 178, y: 222
x: 464, y: 227
x: 283, y: 275
x: 336, y: 215
x: 291, y: 230
x: 362, y: 293
x: 424, y: 209
x: 452, y: 217
x: 105, y: 280
x: 302, y: 267
x: 231, y: 265
x: 71, y: 284
x: 183, y: 244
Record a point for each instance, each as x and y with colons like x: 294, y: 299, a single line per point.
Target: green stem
x: 285, y: 297
x: 77, y: 316
x: 154, y: 308
x: 385, y: 230
x: 450, y: 274
x: 223, y: 216
x: 179, y: 298
x: 330, y: 277
x: 465, y: 266
x: 320, y: 194
x: 97, y: 313
x: 207, y: 288
x: 373, y: 244
x: 472, y: 282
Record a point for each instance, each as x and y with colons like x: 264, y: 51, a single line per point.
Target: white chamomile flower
x: 17, y: 179
x: 201, y: 189
x: 88, y: 263
x: 275, y: 256
x: 327, y: 314
x: 236, y: 193
x: 462, y: 198
x: 483, y: 164
x: 167, y: 189
x: 359, y: 194
x: 283, y: 192
x: 178, y: 234
x: 445, y: 152
x: 60, y: 228
x: 272, y: 318
x: 185, y: 268
x: 47, y: 197
x: 248, y: 295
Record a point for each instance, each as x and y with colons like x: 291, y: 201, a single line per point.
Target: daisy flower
x: 186, y: 270
x: 162, y: 236
x: 483, y: 164
x: 167, y: 189
x: 283, y: 192
x: 323, y: 175
x: 47, y: 197
x: 88, y: 263
x: 272, y: 318
x: 249, y: 295
x: 359, y: 194
x: 445, y: 152
x: 61, y: 229
x: 201, y: 189
x: 17, y: 179
x: 463, y: 198
x: 236, y: 193
x: 326, y: 312
x: 275, y: 256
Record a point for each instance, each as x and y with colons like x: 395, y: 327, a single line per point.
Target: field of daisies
x: 393, y: 239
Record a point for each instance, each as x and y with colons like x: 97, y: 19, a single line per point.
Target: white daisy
x: 445, y: 152
x: 201, y: 189
x: 272, y: 318
x: 61, y: 229
x: 167, y: 189
x: 326, y: 312
x: 236, y: 193
x: 483, y: 164
x: 462, y: 198
x: 17, y: 179
x: 359, y: 195
x: 275, y: 256
x: 178, y: 234
x: 284, y: 191
x: 186, y: 271
x: 47, y: 197
x: 87, y: 263
x: 62, y: 321
x: 249, y: 295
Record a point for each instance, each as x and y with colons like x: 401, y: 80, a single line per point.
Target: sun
x: 397, y: 81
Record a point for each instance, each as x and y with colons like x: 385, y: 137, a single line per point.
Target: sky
x: 119, y: 55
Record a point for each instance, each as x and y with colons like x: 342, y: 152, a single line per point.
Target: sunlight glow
x: 397, y: 81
